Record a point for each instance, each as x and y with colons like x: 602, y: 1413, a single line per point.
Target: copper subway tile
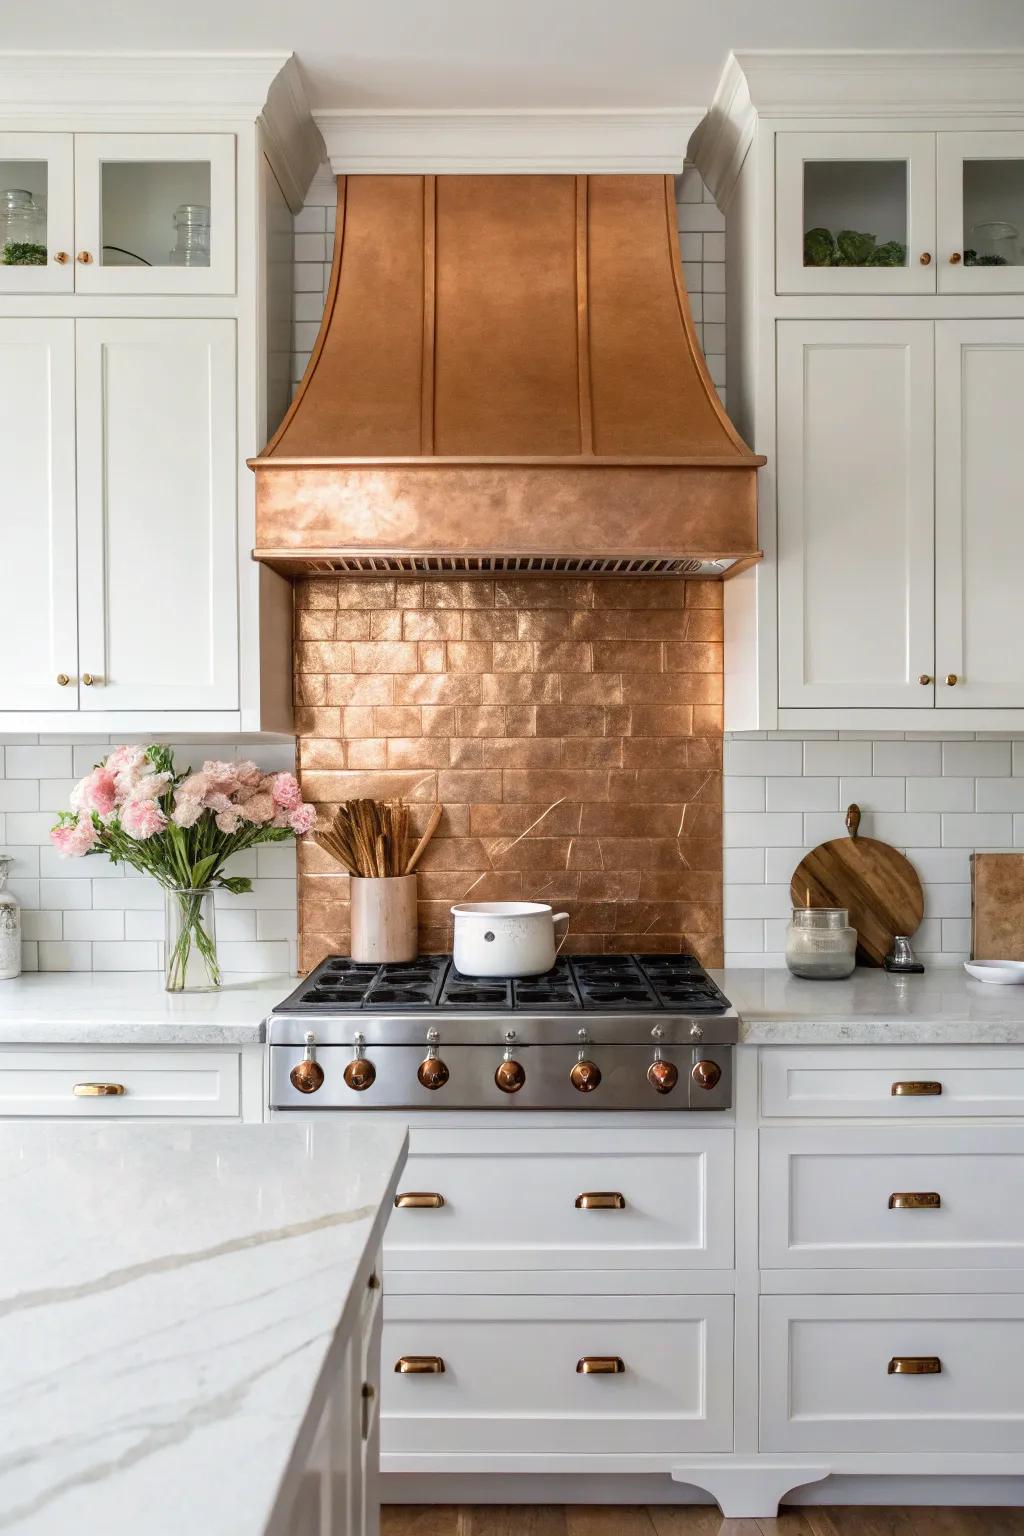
x: 368, y: 752
x: 610, y: 819
x: 584, y: 944
x: 637, y: 785
x: 563, y: 656
x: 419, y: 751
x: 704, y: 624
x: 619, y: 720
x: 311, y: 689
x: 454, y: 820
x: 469, y: 786
x: 693, y: 656
x: 432, y: 656
x: 317, y: 593
x: 323, y: 656
x: 438, y: 688
x: 656, y: 687
x: 467, y: 752
x: 320, y: 752
x: 357, y: 720
x: 661, y: 720
x: 561, y: 817
x: 670, y: 917
x: 455, y: 853
x: 707, y: 719
x: 521, y: 719
x: 314, y: 860
x: 549, y: 592
x: 641, y: 853
x: 480, y: 719
x: 631, y: 624
x: 559, y: 885
x: 610, y: 885
x: 488, y: 624
x: 382, y: 656
x: 512, y: 656
x: 704, y: 594
x: 465, y: 885
x: 628, y: 656
x: 519, y: 688
x: 531, y: 853
x: 540, y: 624
x: 385, y: 624
x: 431, y: 623
x: 323, y: 787
x: 316, y: 624
x: 437, y: 720
x: 397, y: 720
x: 369, y: 688
x: 640, y: 592
x: 567, y: 720
x: 408, y: 593
x: 702, y: 885
x: 544, y: 785
x: 590, y: 687
x: 313, y: 721
x: 589, y: 751
x: 364, y: 593
x: 521, y: 752
x: 458, y: 594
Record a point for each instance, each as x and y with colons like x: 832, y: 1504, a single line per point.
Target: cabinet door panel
x: 157, y: 514
x: 41, y: 166
x: 37, y: 514
x: 980, y: 179
x: 979, y: 530
x: 855, y: 508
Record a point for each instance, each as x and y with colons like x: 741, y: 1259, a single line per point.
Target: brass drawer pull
x: 419, y: 1365
x: 922, y: 1200
x: 601, y: 1200
x: 600, y: 1365
x: 914, y: 1365
x: 419, y: 1200
x: 98, y: 1090
x: 915, y: 1090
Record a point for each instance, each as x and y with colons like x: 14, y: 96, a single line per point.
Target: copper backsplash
x: 572, y: 730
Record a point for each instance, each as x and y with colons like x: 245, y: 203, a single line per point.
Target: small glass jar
x: 10, y: 926
x: 22, y: 229
x: 820, y: 944
x: 192, y: 224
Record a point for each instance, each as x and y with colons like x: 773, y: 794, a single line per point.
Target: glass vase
x: 190, y: 941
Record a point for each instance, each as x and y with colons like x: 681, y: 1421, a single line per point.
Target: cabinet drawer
x: 936, y: 1081
x: 826, y: 1381
x: 566, y: 1199
x: 908, y: 1197
x: 510, y: 1382
x: 156, y: 1083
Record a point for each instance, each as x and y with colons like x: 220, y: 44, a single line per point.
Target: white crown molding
x: 86, y: 85
x: 510, y: 142
x: 291, y: 138
x: 801, y: 85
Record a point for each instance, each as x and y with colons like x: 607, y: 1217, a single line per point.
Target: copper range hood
x: 506, y: 378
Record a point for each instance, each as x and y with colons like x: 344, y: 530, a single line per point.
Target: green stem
x: 192, y: 931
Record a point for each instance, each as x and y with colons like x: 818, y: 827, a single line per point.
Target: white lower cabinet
x: 892, y: 1373
x: 131, y: 1083
x: 904, y: 1082
x: 514, y: 1379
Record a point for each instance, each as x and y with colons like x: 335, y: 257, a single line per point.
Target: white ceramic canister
x: 10, y: 926
x: 506, y: 938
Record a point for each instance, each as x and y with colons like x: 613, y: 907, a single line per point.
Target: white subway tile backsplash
x: 980, y: 758
x: 137, y: 955
x: 956, y: 935
x: 760, y: 901
x: 941, y: 865
x: 942, y: 794
x: 743, y: 866
x: 779, y: 863
x: 947, y: 901
x: 94, y: 925
x: 993, y: 795
x: 781, y: 829
x: 42, y: 925
x: 762, y: 757
x: 36, y: 762
x: 921, y: 828
x: 801, y: 794
x: 277, y: 925
x: 979, y: 829
x: 836, y: 757
x: 64, y: 955
x: 879, y: 794
x: 19, y: 795
x: 745, y: 794
x: 819, y: 826
x: 744, y: 934
x: 907, y: 757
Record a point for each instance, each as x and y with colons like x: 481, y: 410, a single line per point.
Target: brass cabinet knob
x: 600, y: 1200
x: 706, y: 1074
x: 914, y: 1365
x: 432, y: 1072
x: 98, y: 1090
x: 419, y: 1365
x: 905, y: 1090
x: 585, y: 1076
x: 359, y: 1074
x: 418, y: 1200
x: 925, y: 258
x: 509, y: 1075
x: 600, y: 1365
x: 84, y: 257
x: 62, y: 679
x: 60, y: 257
x: 662, y: 1075
x: 88, y: 678
x: 956, y: 257
x: 951, y: 679
x: 307, y: 1075
x: 925, y: 679
x: 924, y: 1200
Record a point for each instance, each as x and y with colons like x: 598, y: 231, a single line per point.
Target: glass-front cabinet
x: 117, y: 213
x: 855, y: 212
x: 981, y: 212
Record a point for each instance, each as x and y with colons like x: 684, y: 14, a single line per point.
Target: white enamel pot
x: 506, y: 938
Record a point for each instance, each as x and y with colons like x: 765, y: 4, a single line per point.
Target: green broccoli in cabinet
x: 819, y: 248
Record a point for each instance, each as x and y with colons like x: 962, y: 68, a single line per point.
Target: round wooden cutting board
x: 878, y: 886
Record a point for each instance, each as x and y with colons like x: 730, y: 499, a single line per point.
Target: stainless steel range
x: 596, y: 1032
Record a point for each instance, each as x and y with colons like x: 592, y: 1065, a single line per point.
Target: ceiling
x: 520, y: 53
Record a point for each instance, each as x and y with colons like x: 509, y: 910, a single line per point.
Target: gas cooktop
x: 676, y: 984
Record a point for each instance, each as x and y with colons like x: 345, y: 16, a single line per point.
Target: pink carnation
x: 228, y: 820
x: 151, y: 786
x: 96, y: 792
x: 302, y: 819
x: 142, y: 819
x: 248, y: 774
x: 73, y: 842
x: 258, y: 809
x: 187, y: 810
x: 219, y: 777
x: 286, y: 791
x: 127, y: 765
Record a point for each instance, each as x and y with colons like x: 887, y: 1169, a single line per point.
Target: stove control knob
x: 585, y: 1075
x: 706, y: 1074
x: 359, y: 1073
x: 662, y: 1075
x: 432, y: 1071
x: 308, y: 1075
x: 510, y: 1074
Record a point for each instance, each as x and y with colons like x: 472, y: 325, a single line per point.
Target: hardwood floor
x: 689, y: 1520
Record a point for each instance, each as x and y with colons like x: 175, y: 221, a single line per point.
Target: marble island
x: 176, y: 1307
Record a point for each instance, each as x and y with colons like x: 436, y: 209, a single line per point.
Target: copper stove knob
x: 432, y: 1071
x: 510, y: 1075
x: 307, y: 1075
x: 585, y: 1076
x: 662, y: 1075
x: 359, y: 1074
x: 706, y: 1073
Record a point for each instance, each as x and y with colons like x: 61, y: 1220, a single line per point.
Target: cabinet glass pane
x: 993, y: 213
x: 855, y: 213
x: 23, y: 185
x: 155, y: 213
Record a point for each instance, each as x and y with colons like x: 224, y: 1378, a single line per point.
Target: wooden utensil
x: 421, y: 846
x: 877, y: 885
x: 368, y: 837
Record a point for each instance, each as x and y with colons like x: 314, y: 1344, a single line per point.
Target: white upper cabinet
x: 979, y: 522
x: 855, y: 212
x: 156, y: 514
x: 38, y: 658
x: 980, y: 244
x: 855, y: 494
x: 37, y: 230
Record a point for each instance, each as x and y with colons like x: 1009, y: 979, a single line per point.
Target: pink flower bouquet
x: 181, y: 828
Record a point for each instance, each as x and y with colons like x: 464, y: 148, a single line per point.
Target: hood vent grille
x: 327, y: 564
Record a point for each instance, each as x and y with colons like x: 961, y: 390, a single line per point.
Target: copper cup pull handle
x: 914, y: 1365
x: 419, y: 1365
x: 600, y: 1365
x: 601, y: 1200
x: 915, y: 1090
x: 98, y: 1090
x: 418, y: 1200
x: 923, y: 1200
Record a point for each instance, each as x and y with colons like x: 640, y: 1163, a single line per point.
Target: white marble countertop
x: 170, y: 1302
x: 132, y: 1008
x: 943, y: 1006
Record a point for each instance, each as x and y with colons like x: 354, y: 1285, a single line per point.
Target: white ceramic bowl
x: 1001, y: 973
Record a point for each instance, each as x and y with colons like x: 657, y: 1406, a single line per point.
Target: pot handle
x: 558, y: 918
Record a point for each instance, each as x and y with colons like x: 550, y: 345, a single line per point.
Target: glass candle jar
x: 22, y: 229
x: 192, y: 227
x: 820, y: 944
x: 10, y: 926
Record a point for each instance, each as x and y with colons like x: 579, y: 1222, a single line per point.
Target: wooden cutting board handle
x: 853, y: 819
